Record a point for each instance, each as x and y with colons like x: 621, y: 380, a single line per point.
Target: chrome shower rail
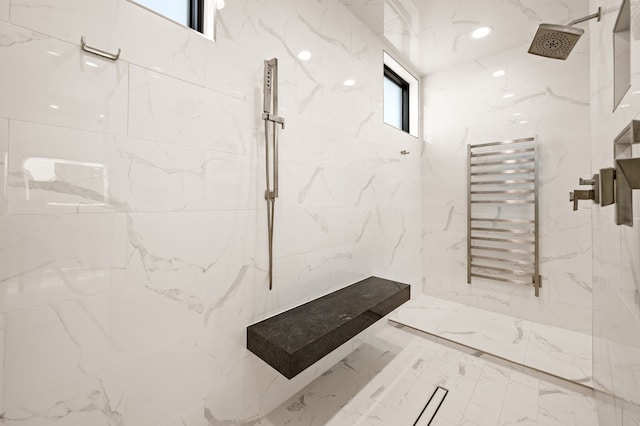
x: 502, y: 215
x: 270, y: 116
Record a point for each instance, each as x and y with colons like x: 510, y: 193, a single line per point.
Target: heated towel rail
x: 502, y: 212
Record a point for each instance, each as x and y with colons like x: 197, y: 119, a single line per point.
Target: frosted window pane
x: 177, y: 10
x: 392, y: 104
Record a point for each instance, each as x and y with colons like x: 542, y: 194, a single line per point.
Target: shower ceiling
x: 435, y: 34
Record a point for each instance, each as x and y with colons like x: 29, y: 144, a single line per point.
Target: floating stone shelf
x: 293, y: 340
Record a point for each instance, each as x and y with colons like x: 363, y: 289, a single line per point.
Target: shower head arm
x: 598, y: 15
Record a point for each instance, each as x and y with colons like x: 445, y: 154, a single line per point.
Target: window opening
x: 396, y: 100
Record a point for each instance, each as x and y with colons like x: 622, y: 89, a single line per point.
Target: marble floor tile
x: 557, y: 351
x: 389, y: 380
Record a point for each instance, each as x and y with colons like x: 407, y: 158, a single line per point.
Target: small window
x: 396, y: 100
x: 400, y: 97
x: 190, y: 13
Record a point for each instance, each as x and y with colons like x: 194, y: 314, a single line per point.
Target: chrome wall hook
x: 102, y: 53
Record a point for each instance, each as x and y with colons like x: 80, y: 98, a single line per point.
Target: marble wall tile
x: 191, y: 416
x: 235, y: 181
x: 76, y: 340
x: 165, y: 109
x: 69, y: 20
x: 550, y: 106
x: 198, y: 254
x: 615, y: 255
x: 4, y: 159
x: 53, y: 356
x: 96, y: 401
x: 53, y: 258
x: 2, y: 346
x: 4, y: 11
x: 178, y: 251
x: 58, y: 170
x: 166, y: 384
x: 50, y: 81
x: 150, y: 176
x: 163, y: 45
x: 55, y: 170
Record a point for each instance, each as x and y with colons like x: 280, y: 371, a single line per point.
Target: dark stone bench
x: 293, y: 340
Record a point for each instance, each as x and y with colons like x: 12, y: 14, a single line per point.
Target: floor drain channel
x: 431, y: 409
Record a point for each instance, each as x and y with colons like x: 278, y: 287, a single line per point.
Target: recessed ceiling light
x: 52, y: 53
x: 54, y: 106
x: 637, y: 92
x: 304, y: 55
x: 220, y: 4
x: 516, y: 114
x: 349, y: 82
x: 92, y: 64
x: 624, y: 105
x: 508, y: 95
x: 524, y: 122
x: 101, y: 116
x: 499, y: 73
x: 481, y: 32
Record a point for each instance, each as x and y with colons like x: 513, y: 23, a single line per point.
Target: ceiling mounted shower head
x: 555, y: 41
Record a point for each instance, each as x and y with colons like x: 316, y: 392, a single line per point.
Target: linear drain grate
x: 433, y: 405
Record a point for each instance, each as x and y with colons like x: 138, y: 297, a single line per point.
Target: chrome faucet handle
x: 574, y: 200
x: 581, y: 194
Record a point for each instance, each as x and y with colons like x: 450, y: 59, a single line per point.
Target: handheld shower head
x: 555, y: 41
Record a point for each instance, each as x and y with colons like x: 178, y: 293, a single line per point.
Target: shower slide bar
x: 508, y: 215
x: 271, y: 120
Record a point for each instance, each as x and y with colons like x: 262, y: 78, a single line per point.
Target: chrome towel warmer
x: 270, y: 116
x: 502, y: 212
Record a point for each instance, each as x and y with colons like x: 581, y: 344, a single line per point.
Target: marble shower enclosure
x: 616, y: 249
x: 133, y: 249
x: 536, y: 97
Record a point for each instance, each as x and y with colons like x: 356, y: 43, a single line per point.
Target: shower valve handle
x: 581, y: 194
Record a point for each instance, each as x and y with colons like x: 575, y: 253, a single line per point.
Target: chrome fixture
x: 557, y: 41
x: 627, y: 172
x: 586, y: 194
x: 270, y: 116
x: 615, y: 185
x: 104, y: 54
x: 502, y: 212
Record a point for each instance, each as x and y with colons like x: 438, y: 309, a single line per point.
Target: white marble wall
x: 616, y: 256
x: 467, y: 105
x: 133, y: 247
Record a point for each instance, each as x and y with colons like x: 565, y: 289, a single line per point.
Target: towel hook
x: 83, y: 45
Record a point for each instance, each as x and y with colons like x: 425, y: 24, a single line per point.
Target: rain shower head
x: 557, y: 41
